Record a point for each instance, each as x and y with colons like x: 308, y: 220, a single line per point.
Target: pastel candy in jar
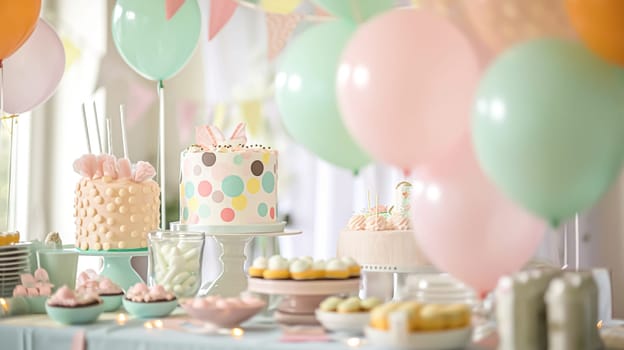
x: 175, y: 262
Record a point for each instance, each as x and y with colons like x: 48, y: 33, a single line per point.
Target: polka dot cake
x: 225, y: 182
x: 115, y: 207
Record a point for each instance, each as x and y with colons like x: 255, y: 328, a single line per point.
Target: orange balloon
x: 600, y: 24
x: 17, y: 20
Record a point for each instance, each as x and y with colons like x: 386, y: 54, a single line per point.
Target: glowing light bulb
x: 237, y: 332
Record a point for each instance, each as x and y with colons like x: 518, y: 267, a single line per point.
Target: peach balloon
x: 464, y: 224
x: 405, y: 85
x: 601, y: 26
x: 503, y: 23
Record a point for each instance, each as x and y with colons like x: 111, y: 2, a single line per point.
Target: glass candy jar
x: 175, y: 260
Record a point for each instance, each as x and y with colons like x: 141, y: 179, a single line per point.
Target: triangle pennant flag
x: 279, y: 29
x: 220, y: 13
x: 140, y: 99
x: 171, y: 7
x: 251, y: 111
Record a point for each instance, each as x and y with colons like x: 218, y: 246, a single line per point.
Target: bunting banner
x: 171, y: 7
x: 251, y: 111
x: 140, y: 99
x: 279, y: 29
x: 186, y: 110
x: 220, y: 13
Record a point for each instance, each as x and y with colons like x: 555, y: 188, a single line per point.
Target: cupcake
x: 67, y: 298
x: 352, y: 265
x: 277, y: 268
x: 301, y: 269
x: 90, y: 281
x: 141, y: 293
x: 336, y: 269
x: 258, y: 266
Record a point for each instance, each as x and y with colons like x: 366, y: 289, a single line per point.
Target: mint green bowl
x: 150, y: 310
x: 75, y: 315
x: 36, y: 305
x: 112, y: 302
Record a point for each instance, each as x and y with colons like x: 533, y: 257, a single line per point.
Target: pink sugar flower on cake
x: 143, y: 171
x: 124, y: 168
x: 109, y: 166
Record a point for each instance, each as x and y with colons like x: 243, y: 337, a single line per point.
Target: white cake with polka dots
x: 226, y: 182
x: 115, y: 206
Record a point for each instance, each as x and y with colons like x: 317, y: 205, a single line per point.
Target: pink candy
x: 41, y: 275
x: 141, y: 293
x: 33, y: 286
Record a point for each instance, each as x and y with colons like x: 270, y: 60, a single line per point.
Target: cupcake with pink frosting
x: 148, y: 302
x: 65, y: 297
x: 90, y: 282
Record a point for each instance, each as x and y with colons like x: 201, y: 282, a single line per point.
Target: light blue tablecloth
x: 37, y: 332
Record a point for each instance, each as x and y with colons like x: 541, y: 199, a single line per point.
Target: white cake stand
x: 232, y: 240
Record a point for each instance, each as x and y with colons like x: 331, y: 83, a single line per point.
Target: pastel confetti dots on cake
x: 257, y: 167
x: 227, y: 214
x: 209, y: 159
x: 233, y: 186
x: 262, y: 209
x: 253, y: 186
x: 236, y: 184
x: 189, y: 190
x: 204, y: 188
x: 268, y: 182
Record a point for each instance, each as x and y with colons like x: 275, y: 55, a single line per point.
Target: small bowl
x: 431, y: 340
x: 343, y: 322
x: 75, y: 315
x: 112, y: 302
x: 36, y: 305
x: 224, y: 318
x: 150, y: 310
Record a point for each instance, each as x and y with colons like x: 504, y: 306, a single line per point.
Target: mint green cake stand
x: 117, y: 265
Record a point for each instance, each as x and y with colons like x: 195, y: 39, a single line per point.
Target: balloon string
x: 577, y: 242
x: 565, y: 247
x: 161, y: 153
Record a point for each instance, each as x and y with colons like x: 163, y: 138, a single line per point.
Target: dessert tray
x: 301, y: 298
x: 232, y: 280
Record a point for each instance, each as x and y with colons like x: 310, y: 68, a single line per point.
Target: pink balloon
x: 465, y: 226
x: 405, y: 86
x: 34, y: 71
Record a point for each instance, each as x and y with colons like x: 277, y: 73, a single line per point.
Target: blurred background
x: 229, y: 79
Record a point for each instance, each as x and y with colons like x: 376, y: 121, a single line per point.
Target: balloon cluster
x: 32, y: 57
x: 541, y: 129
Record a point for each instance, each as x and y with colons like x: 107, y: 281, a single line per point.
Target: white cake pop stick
x: 122, y: 121
x: 97, y: 127
x: 109, y: 137
x: 86, y: 127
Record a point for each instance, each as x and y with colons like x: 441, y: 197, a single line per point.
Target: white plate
x: 8, y: 264
x: 343, y: 322
x: 437, y: 340
x: 14, y: 252
x: 13, y: 259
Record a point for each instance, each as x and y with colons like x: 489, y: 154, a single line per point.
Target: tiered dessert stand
x: 232, y: 240
x: 301, y: 298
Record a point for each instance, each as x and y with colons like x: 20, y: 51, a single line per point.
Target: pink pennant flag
x: 279, y: 29
x: 220, y: 13
x: 186, y: 111
x: 171, y: 7
x: 140, y: 99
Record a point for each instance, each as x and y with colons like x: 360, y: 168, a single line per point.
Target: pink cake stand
x: 301, y: 298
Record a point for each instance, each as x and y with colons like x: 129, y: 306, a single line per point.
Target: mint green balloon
x: 548, y: 126
x: 153, y: 46
x: 355, y: 10
x: 306, y: 94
